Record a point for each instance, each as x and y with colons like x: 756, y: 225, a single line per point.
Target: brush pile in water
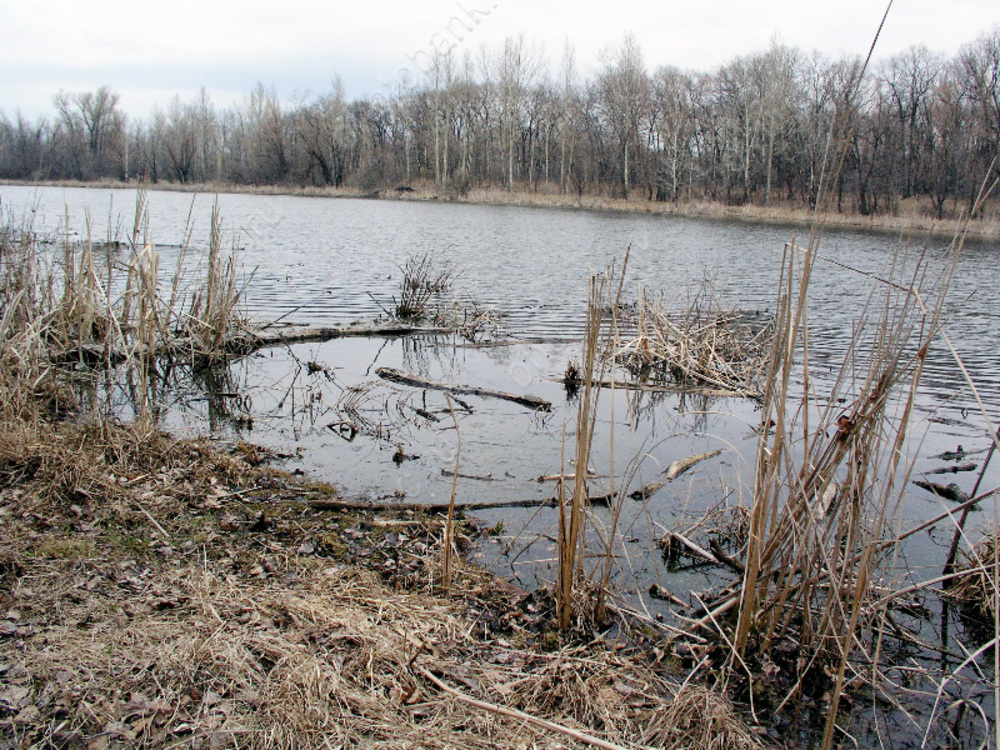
x: 704, y: 345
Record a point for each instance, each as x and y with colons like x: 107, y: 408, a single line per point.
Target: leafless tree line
x: 757, y: 130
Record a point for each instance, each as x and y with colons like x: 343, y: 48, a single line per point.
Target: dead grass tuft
x: 702, y: 718
x: 975, y: 587
x: 423, y: 282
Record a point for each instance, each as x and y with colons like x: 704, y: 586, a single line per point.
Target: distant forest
x: 757, y: 130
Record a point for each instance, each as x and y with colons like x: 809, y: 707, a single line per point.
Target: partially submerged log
x: 663, y: 594
x: 969, y: 466
x: 725, y: 559
x: 418, y: 381
x: 948, y: 492
x: 270, y: 336
x: 239, y: 343
x: 627, y: 385
x: 672, y: 541
x: 344, y: 504
x: 674, y: 470
x: 460, y: 475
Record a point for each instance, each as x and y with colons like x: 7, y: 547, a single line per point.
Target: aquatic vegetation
x: 423, y: 282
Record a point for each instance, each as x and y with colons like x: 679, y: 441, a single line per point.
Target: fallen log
x: 660, y: 592
x: 948, y: 492
x: 270, y: 336
x: 674, y: 470
x: 338, y: 504
x: 460, y: 475
x: 725, y: 559
x: 418, y: 381
x: 953, y: 469
x: 678, y: 467
x: 626, y: 385
x: 693, y: 550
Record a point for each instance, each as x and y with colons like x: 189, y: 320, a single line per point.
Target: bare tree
x: 514, y: 71
x: 624, y: 93
x: 322, y: 129
x: 93, y: 128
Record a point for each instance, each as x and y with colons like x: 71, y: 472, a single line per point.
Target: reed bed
x: 816, y: 586
x: 107, y: 305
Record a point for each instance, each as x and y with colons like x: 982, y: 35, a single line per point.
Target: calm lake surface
x: 324, y: 261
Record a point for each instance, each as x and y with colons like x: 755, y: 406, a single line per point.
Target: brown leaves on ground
x: 157, y: 593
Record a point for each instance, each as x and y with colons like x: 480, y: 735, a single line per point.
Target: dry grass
x: 699, y: 718
x: 320, y: 656
x: 975, y: 587
x: 182, y: 597
x: 423, y: 283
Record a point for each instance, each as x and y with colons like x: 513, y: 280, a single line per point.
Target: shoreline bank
x: 910, y: 221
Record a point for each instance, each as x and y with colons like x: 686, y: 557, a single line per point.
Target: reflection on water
x: 323, y: 404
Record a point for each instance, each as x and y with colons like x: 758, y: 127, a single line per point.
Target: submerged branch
x: 336, y: 504
x: 418, y: 381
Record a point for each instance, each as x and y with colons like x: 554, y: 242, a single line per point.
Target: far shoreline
x: 909, y: 221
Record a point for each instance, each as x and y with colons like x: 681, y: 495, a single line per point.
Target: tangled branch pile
x: 704, y: 345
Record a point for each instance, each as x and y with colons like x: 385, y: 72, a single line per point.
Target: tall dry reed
x: 75, y: 304
x: 572, y: 513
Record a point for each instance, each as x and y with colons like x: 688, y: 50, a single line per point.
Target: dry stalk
x: 571, y: 520
x: 447, y: 541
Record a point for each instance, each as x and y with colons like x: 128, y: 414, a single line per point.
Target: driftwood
x: 660, y: 592
x: 270, y: 336
x: 694, y: 550
x: 563, y: 477
x: 671, y: 473
x: 244, y: 341
x: 478, y: 477
x: 674, y: 470
x: 953, y: 469
x: 338, y: 504
x: 725, y: 559
x: 627, y: 385
x: 417, y: 381
x: 948, y: 492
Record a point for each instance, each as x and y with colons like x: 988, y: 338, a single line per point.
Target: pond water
x: 330, y: 261
x: 324, y: 261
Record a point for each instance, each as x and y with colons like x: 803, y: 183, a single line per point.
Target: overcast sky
x: 149, y: 52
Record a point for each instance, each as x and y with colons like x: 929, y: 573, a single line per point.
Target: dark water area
x: 328, y: 261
